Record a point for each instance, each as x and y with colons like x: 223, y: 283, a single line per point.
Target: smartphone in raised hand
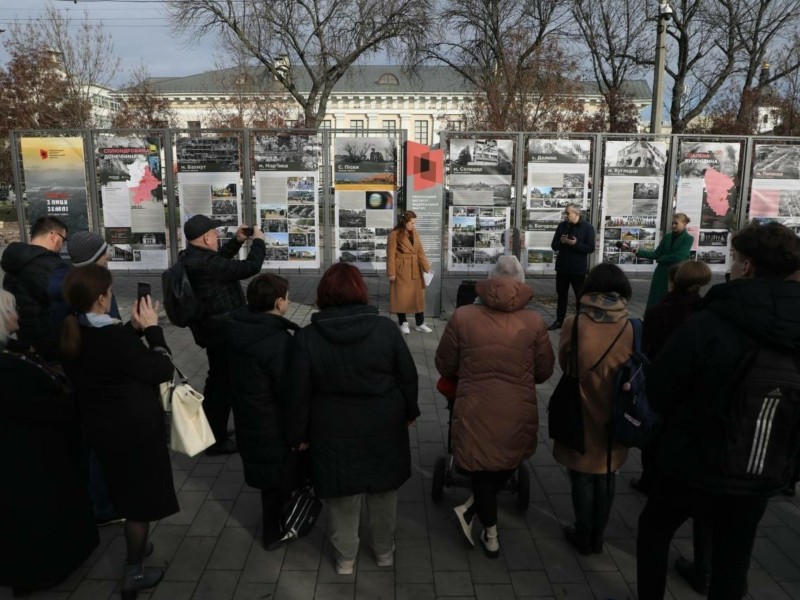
x: 142, y: 290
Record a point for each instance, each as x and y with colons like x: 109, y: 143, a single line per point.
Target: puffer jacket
x: 499, y: 350
x: 259, y: 346
x: 354, y: 392
x: 27, y: 272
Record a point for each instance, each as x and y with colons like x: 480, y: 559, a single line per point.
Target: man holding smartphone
x: 574, y: 242
x: 215, y: 275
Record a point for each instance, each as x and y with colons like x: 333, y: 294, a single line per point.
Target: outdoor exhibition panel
x: 775, y: 183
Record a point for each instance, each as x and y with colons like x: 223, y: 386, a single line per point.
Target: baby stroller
x: 445, y: 472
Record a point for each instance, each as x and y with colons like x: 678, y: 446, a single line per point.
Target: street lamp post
x: 657, y: 110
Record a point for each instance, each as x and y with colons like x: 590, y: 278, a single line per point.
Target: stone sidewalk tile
x: 191, y: 558
x: 453, y: 583
x: 375, y: 585
x: 232, y: 549
x: 217, y: 585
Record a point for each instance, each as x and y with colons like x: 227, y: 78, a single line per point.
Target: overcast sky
x: 140, y: 29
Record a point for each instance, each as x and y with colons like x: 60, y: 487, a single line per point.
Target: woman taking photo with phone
x: 116, y: 380
x: 405, y: 263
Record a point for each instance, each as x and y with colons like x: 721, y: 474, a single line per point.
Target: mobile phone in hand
x: 248, y: 231
x: 142, y: 290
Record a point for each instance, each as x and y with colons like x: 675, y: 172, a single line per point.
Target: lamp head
x: 664, y: 10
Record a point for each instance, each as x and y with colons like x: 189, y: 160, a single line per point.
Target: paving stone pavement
x: 211, y: 549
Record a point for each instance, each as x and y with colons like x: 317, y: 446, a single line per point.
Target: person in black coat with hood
x: 574, y: 242
x: 259, y: 340
x: 354, y: 397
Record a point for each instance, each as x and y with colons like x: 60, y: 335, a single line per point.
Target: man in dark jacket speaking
x: 574, y: 242
x: 693, y: 385
x: 215, y: 277
x: 28, y: 268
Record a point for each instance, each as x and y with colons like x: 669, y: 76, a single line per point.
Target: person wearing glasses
x: 28, y: 268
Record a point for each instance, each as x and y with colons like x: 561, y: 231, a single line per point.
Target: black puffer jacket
x: 355, y: 390
x: 690, y: 377
x: 28, y: 269
x: 259, y: 346
x: 215, y: 278
x: 573, y: 259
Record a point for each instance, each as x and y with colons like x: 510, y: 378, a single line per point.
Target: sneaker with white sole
x: 465, y: 522
x: 344, y: 567
x: 491, y: 545
x: 423, y: 328
x: 404, y: 329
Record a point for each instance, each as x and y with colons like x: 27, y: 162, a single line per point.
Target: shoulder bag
x: 189, y: 430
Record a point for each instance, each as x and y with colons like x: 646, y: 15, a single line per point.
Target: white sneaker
x: 423, y: 328
x: 491, y: 545
x: 404, y: 329
x: 385, y: 560
x: 344, y: 567
x: 466, y: 526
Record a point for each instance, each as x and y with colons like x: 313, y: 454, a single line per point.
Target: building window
x: 455, y: 125
x: 421, y: 132
x: 391, y: 125
x: 194, y: 125
x: 388, y: 79
x: 326, y: 124
x: 358, y: 127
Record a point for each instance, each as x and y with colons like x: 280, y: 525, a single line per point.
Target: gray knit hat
x: 85, y: 248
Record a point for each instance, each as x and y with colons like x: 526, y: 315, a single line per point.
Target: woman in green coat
x: 674, y: 248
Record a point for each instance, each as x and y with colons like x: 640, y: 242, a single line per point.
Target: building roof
x: 359, y: 79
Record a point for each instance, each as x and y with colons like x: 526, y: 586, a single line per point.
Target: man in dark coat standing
x: 690, y: 384
x: 215, y: 276
x: 574, y: 242
x: 28, y: 268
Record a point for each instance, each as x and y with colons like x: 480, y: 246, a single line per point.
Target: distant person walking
x: 574, y: 242
x: 674, y: 248
x: 405, y: 263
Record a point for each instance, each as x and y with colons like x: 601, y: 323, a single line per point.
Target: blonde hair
x: 683, y: 217
x: 508, y: 266
x: 691, y: 276
x: 8, y: 304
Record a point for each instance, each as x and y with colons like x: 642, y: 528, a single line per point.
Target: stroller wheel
x: 438, y: 480
x: 523, y: 487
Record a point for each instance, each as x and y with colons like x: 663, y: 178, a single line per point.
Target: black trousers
x: 272, y: 510
x: 418, y: 317
x: 592, y: 496
x: 485, y: 485
x: 732, y: 521
x: 217, y: 392
x: 563, y: 283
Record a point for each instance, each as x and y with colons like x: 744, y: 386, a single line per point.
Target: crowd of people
x: 332, y: 402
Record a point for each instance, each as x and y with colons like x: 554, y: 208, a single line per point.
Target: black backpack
x: 181, y: 304
x: 753, y: 432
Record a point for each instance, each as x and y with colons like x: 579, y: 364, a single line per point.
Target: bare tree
x: 141, y: 107
x: 83, y: 49
x: 509, y: 51
x: 307, y: 46
x: 619, y: 41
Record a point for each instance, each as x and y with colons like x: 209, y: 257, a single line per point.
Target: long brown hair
x: 400, y: 228
x: 82, y: 287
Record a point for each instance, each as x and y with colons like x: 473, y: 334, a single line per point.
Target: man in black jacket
x: 574, y: 242
x: 215, y: 276
x: 28, y: 268
x: 690, y: 384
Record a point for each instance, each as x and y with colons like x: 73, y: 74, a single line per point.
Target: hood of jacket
x: 346, y: 324
x: 243, y: 327
x: 18, y: 254
x: 504, y: 294
x: 765, y: 310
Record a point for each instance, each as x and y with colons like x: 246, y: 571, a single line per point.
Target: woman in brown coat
x: 499, y: 350
x: 603, y: 325
x: 405, y: 263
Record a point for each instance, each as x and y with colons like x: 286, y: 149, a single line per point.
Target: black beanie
x: 85, y: 248
x: 196, y: 227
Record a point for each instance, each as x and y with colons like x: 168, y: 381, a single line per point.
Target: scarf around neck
x: 604, y: 308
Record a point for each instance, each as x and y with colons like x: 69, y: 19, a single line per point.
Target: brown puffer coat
x: 406, y: 262
x: 499, y: 350
x: 594, y: 338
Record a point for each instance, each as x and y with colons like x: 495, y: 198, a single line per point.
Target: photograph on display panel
x: 476, y: 236
x: 775, y: 187
x: 365, y: 161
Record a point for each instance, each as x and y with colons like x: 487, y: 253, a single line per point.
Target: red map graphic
x: 717, y: 187
x: 142, y: 192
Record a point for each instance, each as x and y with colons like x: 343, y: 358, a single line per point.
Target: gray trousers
x: 345, y: 515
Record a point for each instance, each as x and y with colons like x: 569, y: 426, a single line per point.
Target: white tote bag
x: 190, y: 432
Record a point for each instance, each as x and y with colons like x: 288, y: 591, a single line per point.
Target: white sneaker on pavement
x: 423, y: 328
x: 344, y: 567
x: 404, y: 329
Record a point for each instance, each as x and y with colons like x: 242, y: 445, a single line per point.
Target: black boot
x: 697, y: 580
x: 138, y: 578
x: 579, y: 540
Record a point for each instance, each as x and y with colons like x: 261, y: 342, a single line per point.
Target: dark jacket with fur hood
x: 499, y: 350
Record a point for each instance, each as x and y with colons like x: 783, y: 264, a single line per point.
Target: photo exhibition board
x: 480, y: 175
x: 633, y: 180
x: 287, y: 201
x: 55, y: 180
x: 558, y: 175
x: 775, y: 189
x: 209, y: 182
x: 133, y: 215
x: 365, y: 176
x: 708, y: 193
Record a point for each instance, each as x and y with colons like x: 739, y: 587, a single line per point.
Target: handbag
x: 189, y: 430
x: 565, y: 410
x: 300, y: 513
